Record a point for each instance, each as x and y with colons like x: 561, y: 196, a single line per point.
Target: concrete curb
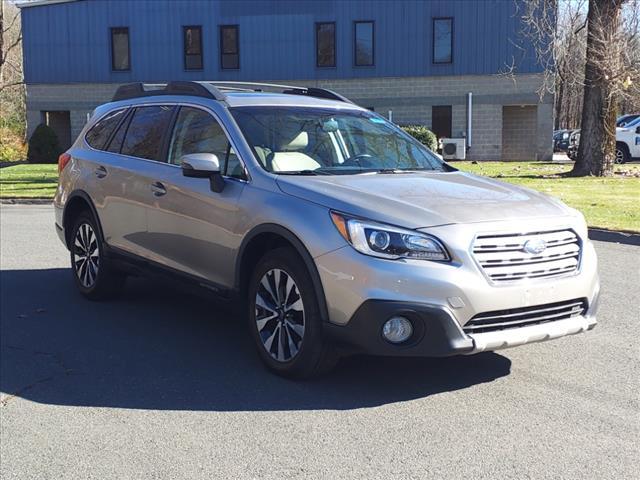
x: 25, y: 201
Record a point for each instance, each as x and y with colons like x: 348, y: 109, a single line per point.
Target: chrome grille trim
x: 520, y: 317
x: 503, y: 259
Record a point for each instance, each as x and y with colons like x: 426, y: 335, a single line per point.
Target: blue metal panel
x: 70, y: 42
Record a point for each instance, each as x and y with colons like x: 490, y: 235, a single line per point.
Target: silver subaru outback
x: 339, y: 232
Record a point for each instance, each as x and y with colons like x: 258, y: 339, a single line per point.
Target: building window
x: 442, y: 40
x: 326, y: 44
x: 120, y: 58
x: 229, y: 47
x: 192, y: 47
x: 441, y: 121
x: 363, y: 44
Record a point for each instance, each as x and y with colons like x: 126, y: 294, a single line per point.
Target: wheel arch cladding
x: 78, y: 202
x: 264, y: 238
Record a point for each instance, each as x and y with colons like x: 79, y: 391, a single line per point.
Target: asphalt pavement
x: 160, y: 384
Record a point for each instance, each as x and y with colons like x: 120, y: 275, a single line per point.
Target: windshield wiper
x: 302, y: 172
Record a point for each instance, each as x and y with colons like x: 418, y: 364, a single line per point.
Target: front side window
x: 364, y: 46
x: 146, y: 132
x: 442, y: 40
x: 229, y: 47
x: 120, y: 59
x: 192, y: 48
x: 99, y: 134
x: 297, y: 140
x: 196, y: 131
x: 326, y: 44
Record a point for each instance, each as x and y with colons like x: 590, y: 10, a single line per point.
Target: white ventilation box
x: 454, y: 149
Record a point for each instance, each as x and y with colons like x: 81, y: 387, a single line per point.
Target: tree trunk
x: 559, y: 102
x: 596, y: 152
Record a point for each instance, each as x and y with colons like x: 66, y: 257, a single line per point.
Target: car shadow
x: 158, y: 348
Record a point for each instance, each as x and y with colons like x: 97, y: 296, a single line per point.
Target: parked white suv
x: 628, y: 141
x: 338, y: 231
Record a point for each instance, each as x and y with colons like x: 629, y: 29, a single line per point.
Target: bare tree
x: 12, y: 92
x: 10, y: 45
x: 607, y: 73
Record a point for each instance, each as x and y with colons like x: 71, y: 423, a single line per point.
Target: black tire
x: 93, y: 274
x: 622, y: 153
x: 294, y: 356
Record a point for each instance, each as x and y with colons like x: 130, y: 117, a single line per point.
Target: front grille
x: 521, y: 317
x: 504, y: 259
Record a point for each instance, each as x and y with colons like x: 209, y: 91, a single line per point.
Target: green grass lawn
x: 28, y: 181
x: 612, y: 203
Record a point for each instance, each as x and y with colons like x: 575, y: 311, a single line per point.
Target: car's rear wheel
x: 93, y: 274
x: 622, y: 154
x: 284, y: 317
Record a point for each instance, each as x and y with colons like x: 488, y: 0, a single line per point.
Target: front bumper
x: 363, y: 292
x: 438, y: 334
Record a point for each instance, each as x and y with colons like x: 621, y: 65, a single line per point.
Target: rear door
x: 190, y: 227
x: 125, y: 177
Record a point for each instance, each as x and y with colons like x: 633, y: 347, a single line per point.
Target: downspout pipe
x: 469, y: 119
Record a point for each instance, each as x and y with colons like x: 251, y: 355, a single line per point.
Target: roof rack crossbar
x: 288, y: 89
x: 139, y: 89
x: 215, y: 90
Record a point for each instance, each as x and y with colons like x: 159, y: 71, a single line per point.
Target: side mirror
x: 638, y: 130
x: 203, y: 165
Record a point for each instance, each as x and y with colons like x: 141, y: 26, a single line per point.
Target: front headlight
x: 387, y: 241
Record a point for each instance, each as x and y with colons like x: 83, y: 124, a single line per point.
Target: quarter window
x: 196, y: 131
x: 442, y: 40
x: 120, y: 58
x: 364, y: 44
x: 229, y: 47
x: 326, y: 44
x: 99, y: 134
x: 146, y: 132
x: 192, y: 48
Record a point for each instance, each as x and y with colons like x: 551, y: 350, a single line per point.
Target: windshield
x: 316, y: 141
x: 628, y: 120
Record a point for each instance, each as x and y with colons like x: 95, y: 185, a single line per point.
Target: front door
x: 190, y: 227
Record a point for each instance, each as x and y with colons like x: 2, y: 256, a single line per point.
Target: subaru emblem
x: 535, y: 246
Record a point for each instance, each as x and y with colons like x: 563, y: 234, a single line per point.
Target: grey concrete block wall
x: 410, y: 99
x: 519, y: 132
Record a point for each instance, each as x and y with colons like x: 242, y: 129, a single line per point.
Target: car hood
x: 423, y: 199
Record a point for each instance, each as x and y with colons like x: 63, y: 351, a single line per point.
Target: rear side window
x: 146, y: 132
x: 98, y: 135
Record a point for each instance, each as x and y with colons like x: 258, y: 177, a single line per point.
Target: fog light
x: 397, y: 330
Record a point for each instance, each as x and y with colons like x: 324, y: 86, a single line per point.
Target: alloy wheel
x: 86, y: 255
x: 279, y: 315
x: 619, y: 156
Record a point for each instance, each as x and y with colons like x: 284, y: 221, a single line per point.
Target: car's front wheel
x: 284, y: 317
x: 622, y: 154
x: 94, y: 276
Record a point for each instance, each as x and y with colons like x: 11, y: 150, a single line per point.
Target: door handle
x: 158, y: 189
x: 101, y: 172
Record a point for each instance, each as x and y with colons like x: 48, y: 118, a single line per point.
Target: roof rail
x: 288, y: 89
x: 139, y: 89
x: 216, y: 90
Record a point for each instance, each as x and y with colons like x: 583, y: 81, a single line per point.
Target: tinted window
x: 326, y: 44
x: 146, y: 131
x: 229, y: 48
x: 99, y: 134
x: 364, y: 44
x: 196, y: 131
x: 193, y: 48
x: 442, y: 40
x: 120, y: 49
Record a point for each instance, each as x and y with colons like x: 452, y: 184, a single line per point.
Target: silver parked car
x: 338, y: 231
